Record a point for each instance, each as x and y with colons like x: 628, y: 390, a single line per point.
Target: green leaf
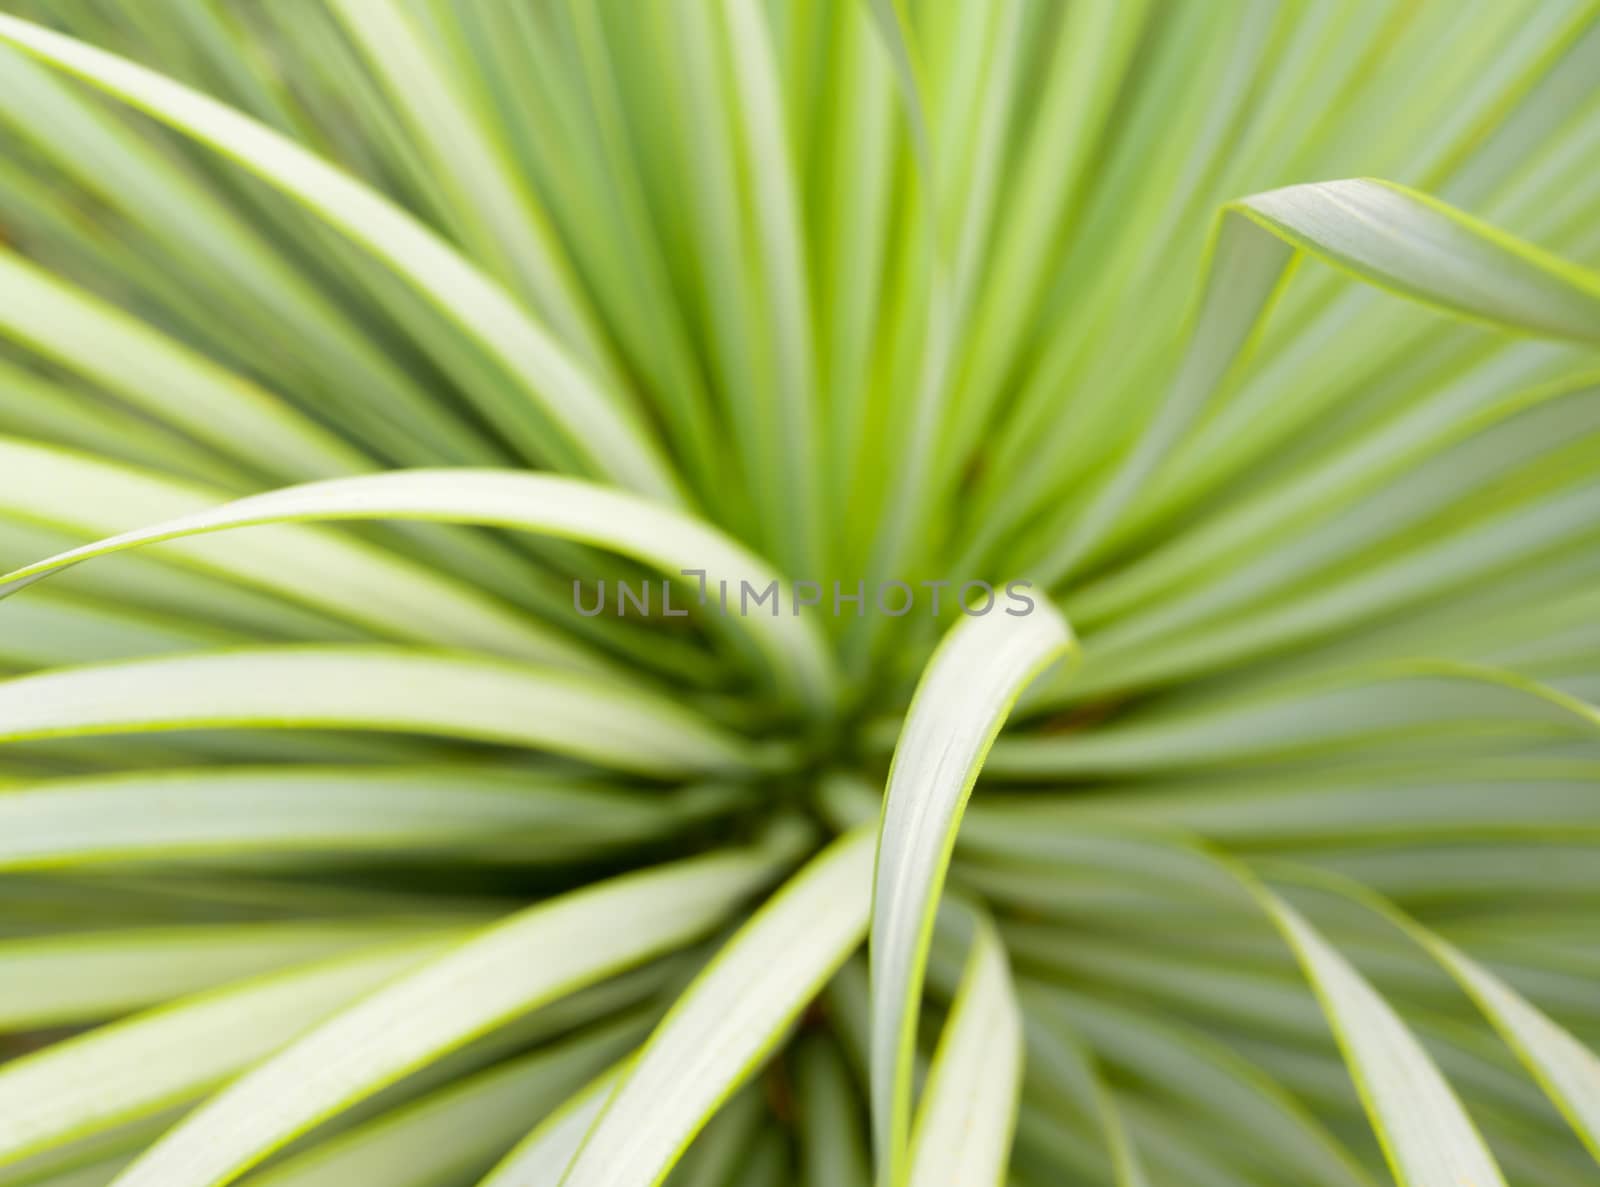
x: 542, y: 1157
x: 505, y: 227
x: 722, y: 1153
x: 121, y: 1073
x: 96, y: 1174
x: 340, y: 810
x: 729, y: 1019
x: 1378, y: 232
x: 1568, y: 1071
x: 832, y: 1129
x: 715, y: 299
x: 969, y: 1104
x: 375, y: 688
x: 894, y: 26
x: 1426, y: 1134
x: 392, y: 595
x: 1455, y: 801
x: 164, y: 378
x: 667, y: 540
x: 1374, y: 711
x: 55, y: 410
x: 1300, y: 513
x: 224, y: 273
x: 49, y: 631
x: 1059, y: 1059
x: 590, y: 418
x: 1212, y: 1083
x: 1397, y: 238
x: 786, y: 300
x: 456, y: 1130
x: 537, y: 956
x: 969, y: 686
x: 58, y: 980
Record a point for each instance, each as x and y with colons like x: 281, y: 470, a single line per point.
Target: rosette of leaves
x: 341, y: 338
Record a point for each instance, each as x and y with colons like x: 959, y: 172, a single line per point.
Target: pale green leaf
x: 729, y: 1019
x: 969, y: 1104
x: 537, y: 956
x: 230, y: 811
x: 1398, y: 238
x: 543, y: 1156
x: 456, y: 1130
x: 1379, y: 232
x: 392, y: 595
x: 59, y: 980
x: 661, y: 537
x: 969, y: 686
x: 590, y: 417
x: 120, y: 1073
x: 163, y: 378
x: 1567, y: 1070
x: 375, y: 688
x: 1426, y: 1134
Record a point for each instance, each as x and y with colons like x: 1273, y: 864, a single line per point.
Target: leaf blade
x: 591, y: 418
x: 532, y: 958
x: 114, y: 1074
x: 961, y: 702
x: 195, y: 812
x: 969, y: 1105
x: 1426, y: 1135
x: 729, y: 1018
x: 373, y: 688
x: 668, y: 540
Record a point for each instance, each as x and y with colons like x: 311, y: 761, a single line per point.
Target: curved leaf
x: 729, y: 1018
x: 661, y: 537
x: 374, y: 688
x: 1568, y: 1071
x: 1380, y: 233
x: 394, y: 596
x: 229, y: 811
x: 1398, y: 238
x: 968, y: 687
x: 969, y: 1104
x: 1426, y: 1134
x: 118, y: 1073
x: 537, y: 956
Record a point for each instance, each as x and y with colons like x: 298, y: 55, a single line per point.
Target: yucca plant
x: 571, y: 493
